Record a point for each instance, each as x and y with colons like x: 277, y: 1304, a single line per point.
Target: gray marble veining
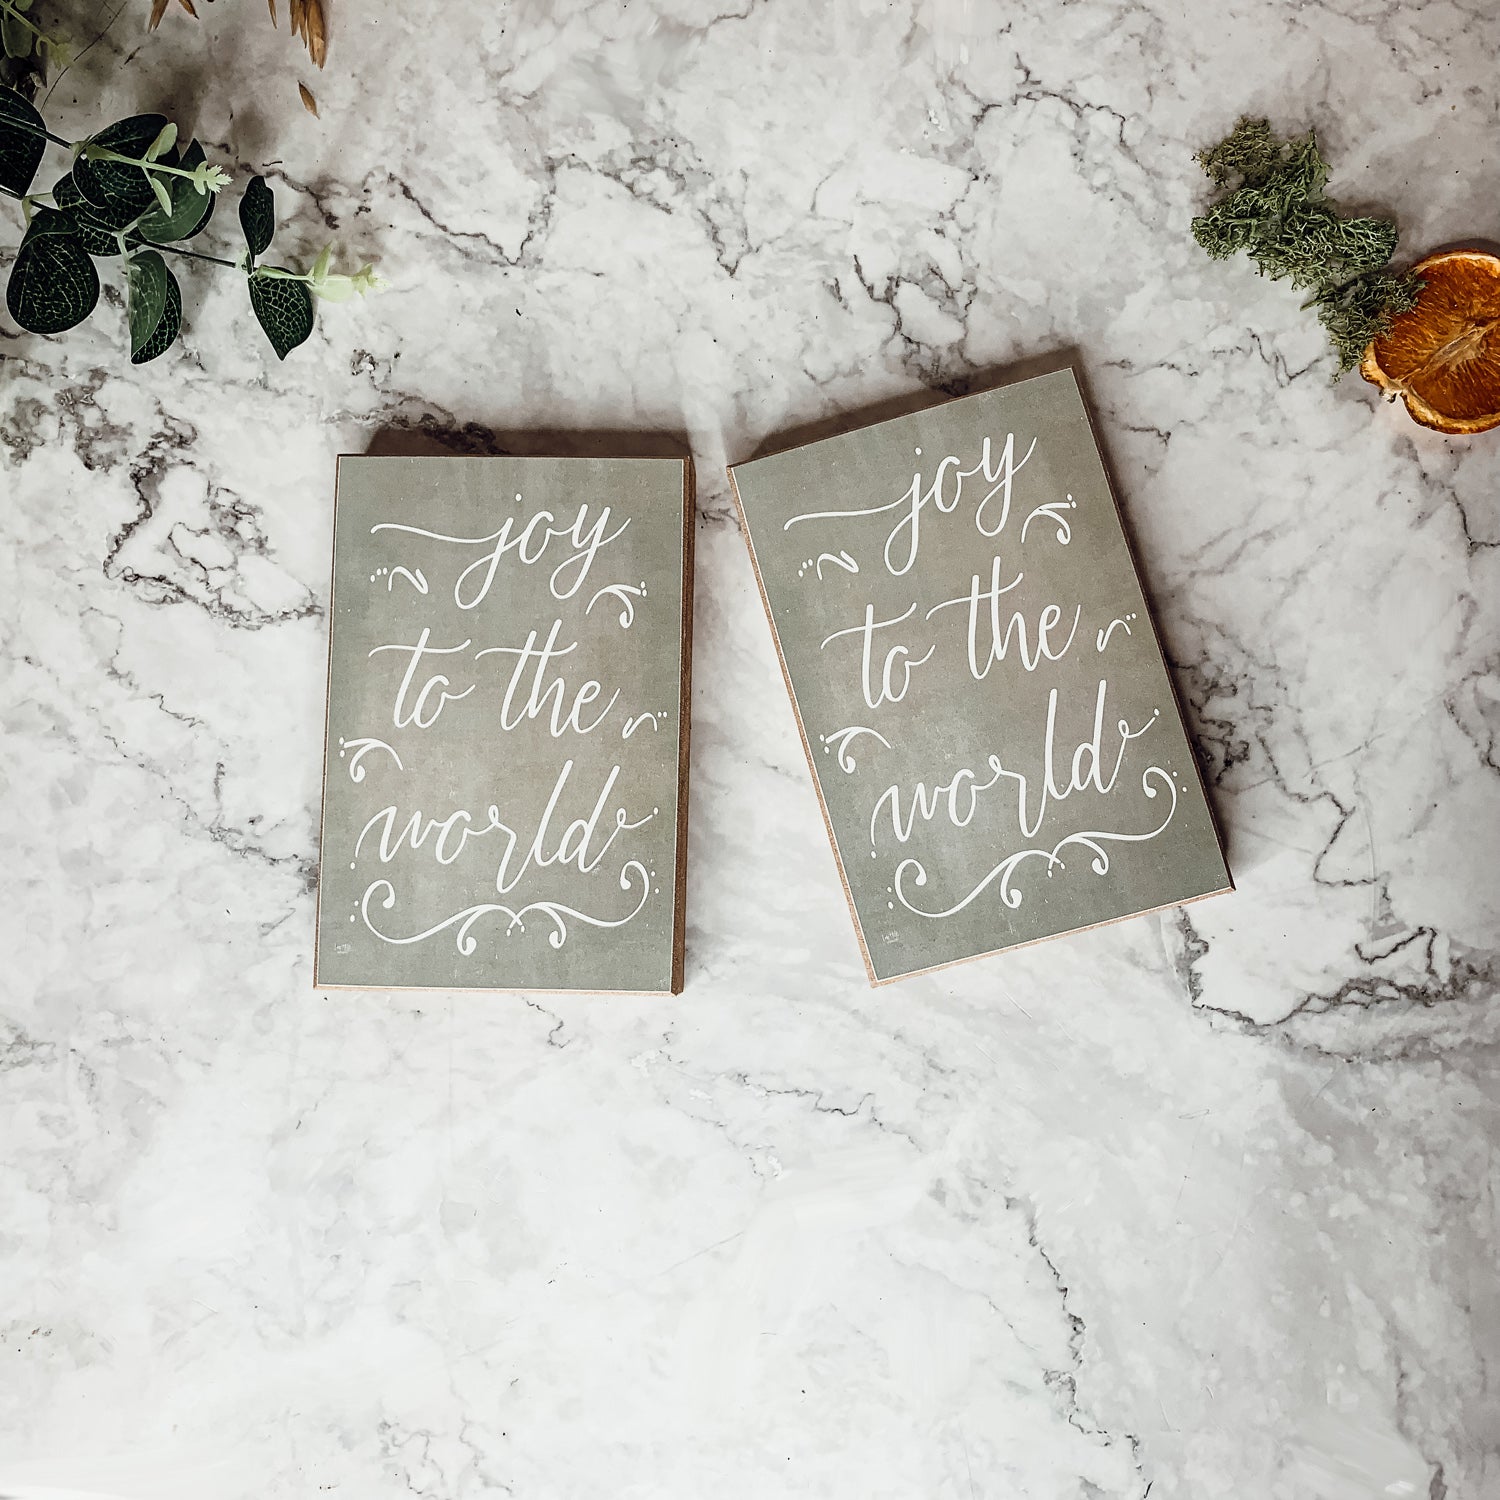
x: 1202, y: 1204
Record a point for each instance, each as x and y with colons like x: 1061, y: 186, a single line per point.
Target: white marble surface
x: 1202, y: 1205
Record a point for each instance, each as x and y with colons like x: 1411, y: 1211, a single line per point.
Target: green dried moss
x: 1272, y: 208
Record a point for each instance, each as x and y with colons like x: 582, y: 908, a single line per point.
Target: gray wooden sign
x: 981, y: 695
x: 504, y: 794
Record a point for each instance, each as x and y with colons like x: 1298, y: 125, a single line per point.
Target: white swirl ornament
x: 362, y: 748
x: 463, y: 921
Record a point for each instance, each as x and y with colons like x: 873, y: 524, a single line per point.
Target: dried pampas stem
x: 159, y: 9
x: 309, y: 23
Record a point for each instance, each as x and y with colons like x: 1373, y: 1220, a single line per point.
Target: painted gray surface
x: 537, y: 934
x: 974, y: 878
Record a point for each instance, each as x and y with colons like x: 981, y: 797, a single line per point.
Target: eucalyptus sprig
x: 282, y: 298
x: 131, y: 194
x: 1273, y: 208
x: 26, y: 50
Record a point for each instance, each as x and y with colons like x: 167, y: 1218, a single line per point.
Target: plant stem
x: 25, y: 200
x: 35, y: 30
x: 27, y: 128
x: 103, y: 153
x: 99, y: 37
x: 130, y: 241
x: 139, y: 244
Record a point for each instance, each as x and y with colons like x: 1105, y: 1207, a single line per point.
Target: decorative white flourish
x: 840, y: 740
x: 516, y: 919
x: 626, y: 594
x: 417, y: 579
x: 1093, y: 841
x: 1054, y: 513
x: 362, y: 748
x: 843, y: 560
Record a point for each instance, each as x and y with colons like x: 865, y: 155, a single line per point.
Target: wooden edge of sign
x: 333, y: 553
x: 684, y: 728
x: 476, y: 989
x: 1161, y: 652
x: 812, y: 765
x: 684, y: 720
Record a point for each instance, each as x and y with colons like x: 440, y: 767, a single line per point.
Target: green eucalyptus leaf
x: 285, y: 310
x: 166, y: 330
x: 258, y: 216
x: 16, y: 37
x: 191, y: 210
x: 117, y: 217
x: 166, y: 138
x: 146, y: 295
x: 48, y: 223
x: 97, y: 238
x: 21, y: 141
x: 119, y: 187
x: 53, y: 284
x: 65, y: 192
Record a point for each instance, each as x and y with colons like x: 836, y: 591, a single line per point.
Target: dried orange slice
x: 1443, y: 356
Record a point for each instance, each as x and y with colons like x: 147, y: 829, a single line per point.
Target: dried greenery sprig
x: 1273, y: 208
x: 309, y: 24
x: 131, y: 194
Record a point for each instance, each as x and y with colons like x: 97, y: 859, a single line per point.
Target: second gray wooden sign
x: 984, y: 705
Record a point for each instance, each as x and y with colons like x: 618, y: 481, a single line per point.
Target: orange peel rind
x: 1442, y: 358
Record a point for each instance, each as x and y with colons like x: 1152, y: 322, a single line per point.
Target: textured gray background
x: 947, y: 720
x: 465, y: 759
